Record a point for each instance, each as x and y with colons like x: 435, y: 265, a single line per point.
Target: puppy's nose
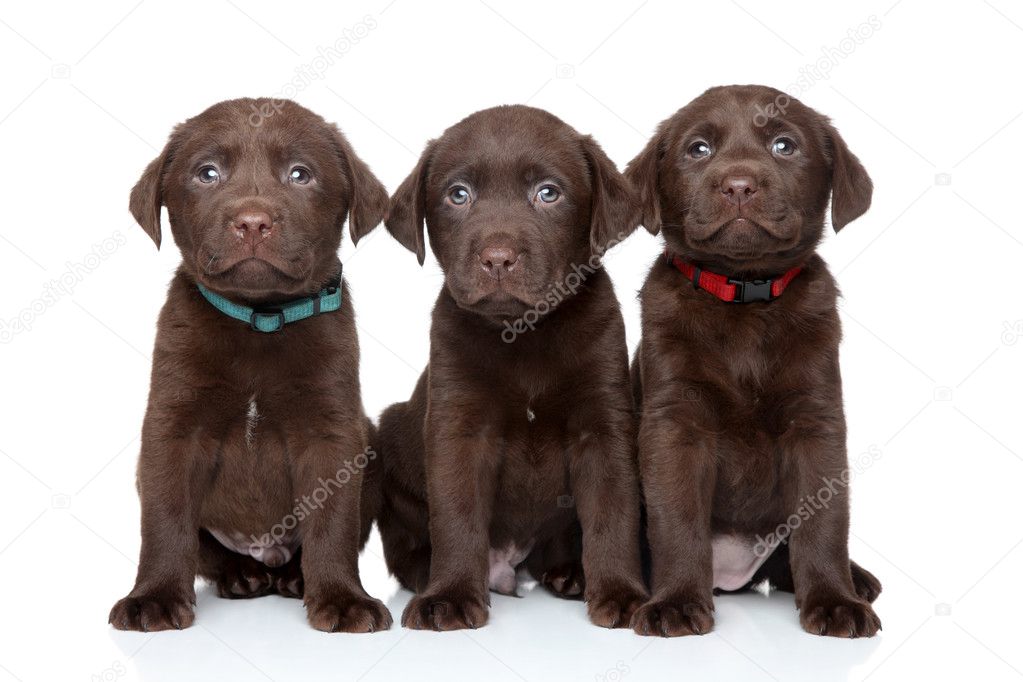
x: 252, y: 224
x: 498, y: 260
x: 738, y: 189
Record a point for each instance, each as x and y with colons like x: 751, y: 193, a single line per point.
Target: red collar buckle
x: 750, y: 291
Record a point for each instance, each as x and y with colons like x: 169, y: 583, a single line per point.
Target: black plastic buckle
x: 751, y: 291
x: 335, y: 284
x: 267, y: 312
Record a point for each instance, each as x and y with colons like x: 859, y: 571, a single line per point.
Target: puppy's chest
x: 751, y: 356
x: 532, y: 440
x: 744, y: 373
x: 533, y: 460
x: 252, y: 489
x: 758, y: 385
x: 751, y: 364
x: 753, y: 411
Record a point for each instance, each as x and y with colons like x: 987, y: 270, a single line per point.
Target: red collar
x: 733, y: 290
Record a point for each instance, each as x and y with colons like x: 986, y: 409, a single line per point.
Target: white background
x: 932, y: 310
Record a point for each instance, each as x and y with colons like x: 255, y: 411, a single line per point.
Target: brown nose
x: 498, y: 260
x: 738, y: 189
x: 252, y: 224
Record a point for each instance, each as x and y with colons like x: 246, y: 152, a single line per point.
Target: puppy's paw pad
x: 565, y: 581
x: 445, y: 612
x: 614, y: 608
x: 674, y: 618
x: 347, y: 613
x: 151, y: 613
x: 839, y: 617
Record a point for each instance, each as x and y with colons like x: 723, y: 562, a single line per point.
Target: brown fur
x: 197, y: 470
x: 742, y: 403
x: 519, y: 442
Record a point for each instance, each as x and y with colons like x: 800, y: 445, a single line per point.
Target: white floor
x: 536, y: 637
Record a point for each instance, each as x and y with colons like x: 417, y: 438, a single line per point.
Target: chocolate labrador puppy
x: 517, y: 444
x: 742, y: 438
x: 254, y: 445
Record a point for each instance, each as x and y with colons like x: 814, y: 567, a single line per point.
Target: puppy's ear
x: 406, y: 215
x: 643, y: 173
x: 369, y: 197
x: 147, y: 196
x: 614, y: 209
x: 851, y: 188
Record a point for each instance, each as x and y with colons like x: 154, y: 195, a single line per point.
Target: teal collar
x: 269, y: 319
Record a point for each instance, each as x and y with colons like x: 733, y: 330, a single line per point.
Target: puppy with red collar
x: 742, y: 439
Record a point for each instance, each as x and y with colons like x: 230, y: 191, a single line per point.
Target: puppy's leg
x: 777, y: 570
x: 372, y: 482
x: 461, y: 470
x: 821, y: 571
x: 404, y: 528
x: 327, y: 468
x: 404, y: 515
x: 606, y: 489
x: 175, y: 467
x: 677, y: 467
x: 678, y: 476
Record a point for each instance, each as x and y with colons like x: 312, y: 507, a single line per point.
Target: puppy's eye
x: 458, y: 195
x: 300, y: 175
x: 783, y: 146
x: 699, y: 150
x: 548, y: 194
x: 208, y: 174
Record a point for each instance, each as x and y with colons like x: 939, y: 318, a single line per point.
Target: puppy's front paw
x: 152, y: 612
x: 838, y: 617
x: 346, y: 612
x: 674, y: 617
x: 565, y: 581
x: 614, y: 607
x: 445, y: 611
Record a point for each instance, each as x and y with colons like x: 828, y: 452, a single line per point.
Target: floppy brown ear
x: 643, y: 172
x: 147, y: 197
x: 614, y: 208
x: 851, y: 187
x: 406, y: 215
x: 369, y: 196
